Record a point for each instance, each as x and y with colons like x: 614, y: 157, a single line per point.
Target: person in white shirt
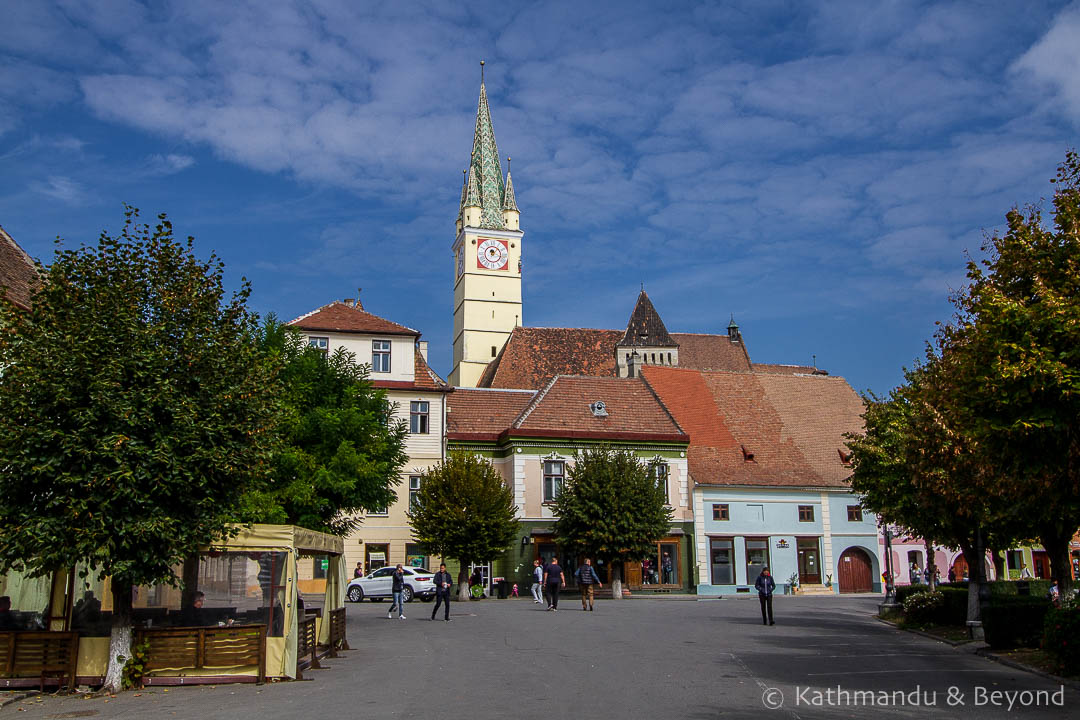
x: 538, y: 582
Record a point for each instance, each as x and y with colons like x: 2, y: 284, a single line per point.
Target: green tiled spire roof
x: 485, y: 169
x: 464, y: 186
x: 472, y: 194
x: 509, y: 203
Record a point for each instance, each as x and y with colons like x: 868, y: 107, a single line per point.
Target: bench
x: 337, y: 632
x: 33, y: 654
x: 199, y: 648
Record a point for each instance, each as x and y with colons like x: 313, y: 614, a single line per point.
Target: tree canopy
x: 135, y: 407
x: 610, y: 507
x: 1014, y: 353
x: 340, y: 449
x: 464, y: 510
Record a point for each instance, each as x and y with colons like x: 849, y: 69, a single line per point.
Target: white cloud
x: 169, y: 164
x: 60, y: 188
x: 1054, y: 61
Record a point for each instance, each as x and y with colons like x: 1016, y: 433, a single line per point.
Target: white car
x: 419, y: 582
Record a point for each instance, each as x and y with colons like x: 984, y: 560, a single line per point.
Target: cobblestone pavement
x: 627, y: 659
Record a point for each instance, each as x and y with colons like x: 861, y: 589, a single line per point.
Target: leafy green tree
x: 611, y: 508
x: 465, y: 511
x: 134, y: 408
x: 1014, y: 346
x: 341, y: 450
x: 917, y: 472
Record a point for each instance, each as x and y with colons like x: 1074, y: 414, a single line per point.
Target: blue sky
x: 817, y: 169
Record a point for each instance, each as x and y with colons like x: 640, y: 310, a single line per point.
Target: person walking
x: 554, y: 578
x: 442, y: 592
x: 397, y: 584
x: 586, y: 578
x: 358, y: 571
x: 765, y: 586
x: 538, y: 582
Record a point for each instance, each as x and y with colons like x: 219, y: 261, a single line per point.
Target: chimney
x: 631, y: 367
x: 359, y: 305
x: 422, y: 344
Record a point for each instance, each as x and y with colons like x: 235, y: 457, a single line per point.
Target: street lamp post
x: 890, y: 589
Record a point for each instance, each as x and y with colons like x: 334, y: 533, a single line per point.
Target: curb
x: 6, y: 699
x: 929, y: 636
x: 987, y: 653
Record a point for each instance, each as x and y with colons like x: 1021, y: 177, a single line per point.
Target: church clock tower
x: 487, y: 256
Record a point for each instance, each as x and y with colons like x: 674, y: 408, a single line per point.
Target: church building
x: 752, y: 455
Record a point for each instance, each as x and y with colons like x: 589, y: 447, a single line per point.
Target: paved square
x: 632, y: 659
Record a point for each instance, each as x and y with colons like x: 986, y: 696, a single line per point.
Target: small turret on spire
x: 481, y: 72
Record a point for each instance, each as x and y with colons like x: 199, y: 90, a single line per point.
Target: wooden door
x: 809, y: 561
x: 855, y: 573
x: 1041, y: 560
x: 633, y: 574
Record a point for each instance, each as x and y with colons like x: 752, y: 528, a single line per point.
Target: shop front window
x: 722, y: 559
x: 29, y: 599
x: 414, y: 555
x: 757, y: 558
x: 659, y: 567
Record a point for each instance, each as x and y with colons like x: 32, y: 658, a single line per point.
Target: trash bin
x: 503, y: 587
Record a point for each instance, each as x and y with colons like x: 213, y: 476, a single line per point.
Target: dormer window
x: 845, y: 457
x: 747, y: 456
x: 599, y: 409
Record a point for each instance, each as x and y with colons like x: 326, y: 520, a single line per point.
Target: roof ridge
x: 524, y: 415
x: 491, y: 389
x: 356, y: 309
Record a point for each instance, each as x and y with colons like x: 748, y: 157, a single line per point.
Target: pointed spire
x: 645, y: 327
x: 509, y: 202
x: 472, y: 193
x: 464, y: 187
x: 484, y: 165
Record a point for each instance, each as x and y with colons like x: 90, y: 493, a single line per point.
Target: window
x: 659, y: 472
x: 806, y: 513
x: 414, y: 554
x: 722, y: 554
x: 319, y: 343
x: 384, y: 510
x: 757, y: 557
x: 854, y: 513
x: 494, y: 351
x: 380, y: 356
x: 418, y: 417
x: 414, y: 492
x: 554, y: 471
x: 720, y: 512
x: 319, y: 565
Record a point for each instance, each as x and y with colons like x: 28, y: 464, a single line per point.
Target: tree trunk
x: 616, y: 580
x: 931, y: 566
x: 975, y: 573
x: 463, y: 582
x: 120, y: 637
x: 1056, y: 545
x: 189, y: 579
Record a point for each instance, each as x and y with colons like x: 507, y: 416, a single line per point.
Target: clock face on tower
x: 492, y: 254
x: 460, y: 261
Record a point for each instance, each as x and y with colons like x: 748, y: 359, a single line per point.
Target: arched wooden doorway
x: 855, y: 571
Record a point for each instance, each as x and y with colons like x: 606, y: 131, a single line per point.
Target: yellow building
x: 398, y: 360
x: 487, y: 257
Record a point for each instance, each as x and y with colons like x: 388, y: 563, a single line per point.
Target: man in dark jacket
x: 397, y: 586
x: 765, y: 586
x: 586, y: 578
x: 442, y: 592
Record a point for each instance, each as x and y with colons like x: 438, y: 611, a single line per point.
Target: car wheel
x: 356, y: 593
x: 406, y: 594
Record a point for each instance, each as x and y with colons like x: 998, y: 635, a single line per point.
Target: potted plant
x: 793, y: 583
x: 828, y: 581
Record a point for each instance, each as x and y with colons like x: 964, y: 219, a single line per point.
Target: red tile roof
x: 793, y: 425
x: 483, y: 414
x: 562, y: 409
x: 532, y: 356
x: 424, y: 377
x: 776, y: 369
x: 18, y: 276
x: 339, y: 317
